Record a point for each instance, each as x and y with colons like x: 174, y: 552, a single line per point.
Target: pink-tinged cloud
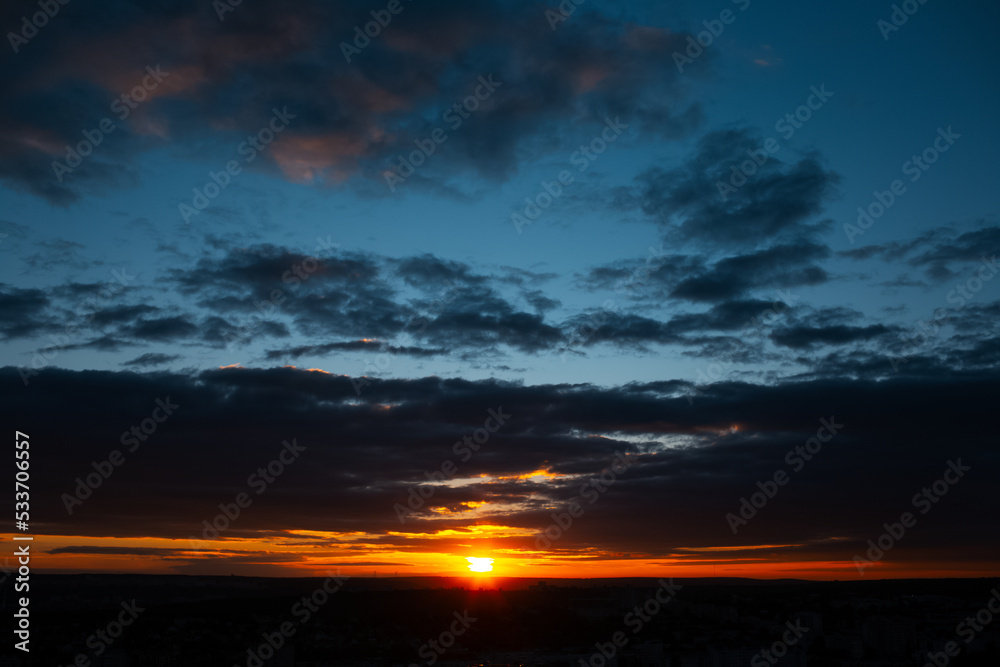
x: 589, y: 77
x: 17, y: 137
x: 366, y: 96
x: 448, y: 38
x: 117, y: 62
x: 310, y: 158
x: 649, y: 38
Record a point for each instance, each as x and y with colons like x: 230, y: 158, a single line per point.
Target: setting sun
x: 480, y: 564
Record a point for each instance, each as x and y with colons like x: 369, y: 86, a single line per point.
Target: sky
x: 563, y: 286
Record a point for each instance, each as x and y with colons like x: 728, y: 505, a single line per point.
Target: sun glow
x: 480, y: 564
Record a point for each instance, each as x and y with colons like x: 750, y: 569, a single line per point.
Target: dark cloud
x: 778, y: 267
x: 164, y: 329
x: 57, y: 253
x: 943, y: 252
x: 256, y: 270
x: 116, y: 551
x: 475, y: 328
x: 540, y: 302
x: 807, y: 328
x: 363, y: 454
x: 13, y: 231
x: 360, y: 297
x: 107, y: 343
x: 20, y: 311
x: 120, y: 314
x: 769, y: 272
x: 727, y: 316
x: 423, y: 306
x: 625, y: 330
x: 801, y: 337
x: 351, y: 120
x: 266, y: 291
x: 629, y: 277
x: 429, y: 271
x: 151, y: 359
x: 634, y: 330
x: 332, y: 303
x: 950, y: 339
x: 775, y: 204
x: 351, y: 346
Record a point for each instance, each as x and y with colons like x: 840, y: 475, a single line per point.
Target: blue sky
x: 889, y: 99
